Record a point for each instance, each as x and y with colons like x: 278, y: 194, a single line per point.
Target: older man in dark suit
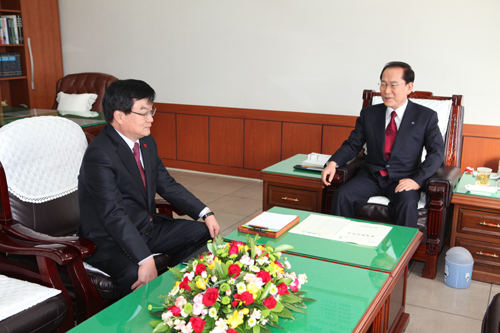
x: 120, y: 175
x: 395, y: 134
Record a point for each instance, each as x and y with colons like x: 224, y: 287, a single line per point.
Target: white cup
x: 483, y: 176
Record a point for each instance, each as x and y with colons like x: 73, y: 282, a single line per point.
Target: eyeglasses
x: 384, y: 85
x: 147, y: 114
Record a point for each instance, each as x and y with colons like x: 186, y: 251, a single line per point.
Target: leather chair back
x: 85, y: 83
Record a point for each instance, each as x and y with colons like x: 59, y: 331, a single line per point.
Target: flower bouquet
x: 235, y: 288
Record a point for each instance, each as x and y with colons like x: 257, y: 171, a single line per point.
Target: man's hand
x: 407, y: 184
x: 147, y: 272
x: 213, y: 226
x: 328, y: 173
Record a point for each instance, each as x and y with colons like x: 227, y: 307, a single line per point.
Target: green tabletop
x: 470, y: 179
x: 10, y: 114
x: 343, y: 295
x: 285, y: 167
x: 383, y: 258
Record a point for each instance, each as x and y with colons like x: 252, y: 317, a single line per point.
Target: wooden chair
x: 435, y: 218
x: 56, y: 220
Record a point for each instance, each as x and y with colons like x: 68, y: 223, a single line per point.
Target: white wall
x: 291, y: 55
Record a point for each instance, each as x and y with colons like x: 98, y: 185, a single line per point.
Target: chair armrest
x: 442, y: 183
x: 61, y: 254
x: 164, y: 207
x: 348, y: 170
x: 82, y: 245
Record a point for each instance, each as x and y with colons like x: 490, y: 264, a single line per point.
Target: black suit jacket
x: 114, y: 206
x: 418, y: 129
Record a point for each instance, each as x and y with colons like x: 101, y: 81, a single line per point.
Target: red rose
x: 233, y: 249
x: 184, y: 284
x: 234, y: 270
x: 237, y: 243
x: 175, y: 310
x: 265, y: 276
x: 200, y: 268
x: 197, y: 324
x: 269, y: 302
x: 278, y: 263
x: 245, y: 297
x: 282, y: 288
x: 231, y: 330
x: 210, y: 296
x: 235, y: 303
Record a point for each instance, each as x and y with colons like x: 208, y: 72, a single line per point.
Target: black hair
x: 122, y: 94
x: 408, y: 75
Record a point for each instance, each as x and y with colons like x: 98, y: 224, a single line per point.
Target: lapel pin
x: 145, y: 146
x: 411, y: 123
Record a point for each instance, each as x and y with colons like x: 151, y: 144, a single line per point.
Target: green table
x: 347, y: 297
x: 391, y: 256
x: 470, y: 179
x: 10, y: 114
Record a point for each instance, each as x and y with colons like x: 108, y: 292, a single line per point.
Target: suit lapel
x: 127, y: 157
x: 379, y: 129
x: 146, y: 158
x: 406, y: 128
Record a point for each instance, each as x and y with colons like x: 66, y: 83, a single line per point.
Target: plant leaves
x: 285, y: 313
x: 309, y: 299
x: 265, y: 329
x: 155, y: 323
x: 161, y: 327
x: 293, y: 308
x: 290, y: 298
x: 283, y: 248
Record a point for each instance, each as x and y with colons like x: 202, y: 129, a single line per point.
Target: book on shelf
x: 11, y: 29
x: 10, y: 64
x: 316, y: 160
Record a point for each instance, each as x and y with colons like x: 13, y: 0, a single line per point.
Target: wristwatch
x: 207, y: 215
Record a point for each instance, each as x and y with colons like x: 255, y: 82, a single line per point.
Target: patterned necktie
x: 390, y: 135
x: 137, y: 155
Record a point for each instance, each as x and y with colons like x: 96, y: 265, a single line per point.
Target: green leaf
x: 284, y: 247
x: 290, y: 298
x: 266, y: 291
x: 301, y: 305
x: 274, y: 324
x: 155, y: 323
x: 285, y: 313
x: 293, y: 308
x: 256, y: 329
x: 309, y: 299
x: 265, y: 313
x: 156, y: 313
x: 161, y: 327
x: 278, y: 308
x: 219, y: 269
x: 265, y: 329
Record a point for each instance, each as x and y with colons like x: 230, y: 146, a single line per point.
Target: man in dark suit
x: 396, y: 170
x: 120, y: 175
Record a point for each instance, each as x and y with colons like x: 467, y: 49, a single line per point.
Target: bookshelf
x: 41, y: 54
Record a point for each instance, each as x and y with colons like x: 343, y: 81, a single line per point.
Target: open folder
x: 269, y: 224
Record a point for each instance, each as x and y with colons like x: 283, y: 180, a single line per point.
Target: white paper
x: 271, y: 221
x: 315, y: 159
x: 341, y: 229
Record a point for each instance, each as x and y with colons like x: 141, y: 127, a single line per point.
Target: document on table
x: 342, y: 229
x: 270, y: 221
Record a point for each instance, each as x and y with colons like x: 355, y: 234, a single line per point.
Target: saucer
x: 494, y: 175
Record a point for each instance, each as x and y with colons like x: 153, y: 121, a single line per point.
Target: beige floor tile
x: 221, y: 184
x: 426, y: 320
x: 236, y: 205
x: 252, y: 191
x: 190, y: 178
x: 435, y: 295
x: 206, y: 197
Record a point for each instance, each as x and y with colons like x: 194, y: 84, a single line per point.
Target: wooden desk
x: 392, y: 256
x: 296, y: 189
x: 476, y: 226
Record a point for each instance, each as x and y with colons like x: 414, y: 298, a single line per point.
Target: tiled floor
x: 432, y: 305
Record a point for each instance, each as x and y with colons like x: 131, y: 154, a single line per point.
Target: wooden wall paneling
x: 262, y: 143
x: 163, y: 130
x: 192, y: 138
x: 300, y: 139
x: 480, y: 152
x: 333, y: 137
x: 226, y: 141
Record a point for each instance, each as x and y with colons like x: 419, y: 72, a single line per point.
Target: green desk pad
x: 285, y: 167
x: 383, y: 258
x: 10, y: 114
x: 343, y: 294
x: 470, y: 179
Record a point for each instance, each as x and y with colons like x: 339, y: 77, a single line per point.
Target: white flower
x: 246, y: 260
x: 189, y: 275
x: 179, y: 324
x: 302, y: 278
x: 273, y: 290
x: 195, y: 263
x: 198, y: 309
x: 222, y: 324
x: 212, y: 312
x: 204, y: 274
x: 231, y: 281
x: 262, y: 261
x: 228, y: 291
x: 170, y: 323
x: 187, y: 328
x: 166, y: 316
x: 214, y: 278
x: 174, y: 291
x: 252, y: 322
x: 287, y: 265
x: 184, y: 314
x: 255, y: 269
x: 255, y: 314
x: 198, y: 299
x: 241, y: 287
x: 263, y: 321
x: 180, y: 301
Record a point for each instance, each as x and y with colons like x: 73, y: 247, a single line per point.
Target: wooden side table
x: 476, y: 226
x: 297, y: 189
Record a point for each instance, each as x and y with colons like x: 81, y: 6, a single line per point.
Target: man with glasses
x: 395, y: 134
x: 120, y: 175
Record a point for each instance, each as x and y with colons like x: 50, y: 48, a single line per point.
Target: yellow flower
x: 245, y: 311
x: 202, y: 284
x: 276, y: 268
x: 252, y: 289
x: 212, y: 264
x: 235, y: 320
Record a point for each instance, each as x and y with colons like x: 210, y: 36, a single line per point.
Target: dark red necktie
x: 390, y: 135
x: 137, y: 155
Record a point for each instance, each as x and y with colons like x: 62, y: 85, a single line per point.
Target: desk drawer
x: 293, y: 198
x: 478, y: 222
x: 486, y: 255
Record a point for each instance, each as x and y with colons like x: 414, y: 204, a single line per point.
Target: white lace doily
x: 41, y: 157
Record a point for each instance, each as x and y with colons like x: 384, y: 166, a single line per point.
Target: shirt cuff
x: 143, y: 260
x: 203, y: 212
